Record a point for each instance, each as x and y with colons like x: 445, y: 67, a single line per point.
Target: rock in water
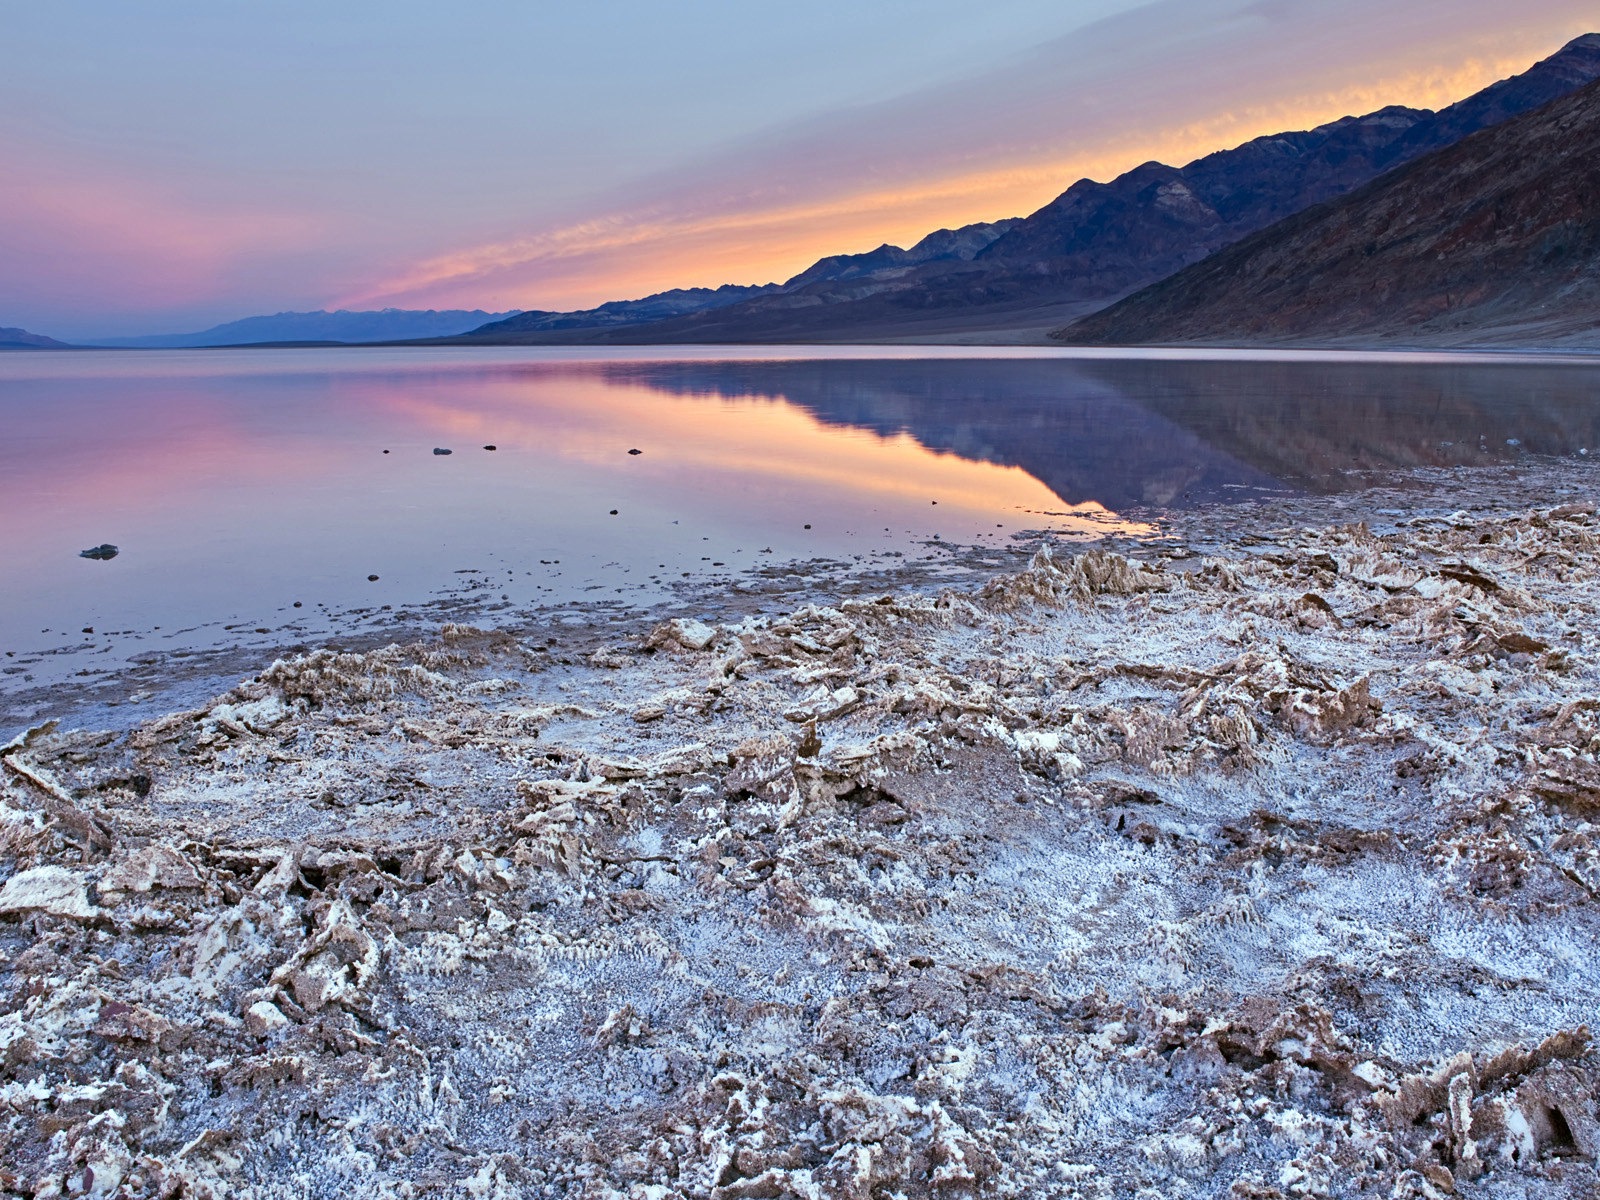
x: 104, y: 550
x: 439, y: 450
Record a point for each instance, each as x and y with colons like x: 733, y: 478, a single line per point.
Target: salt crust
x: 1266, y: 874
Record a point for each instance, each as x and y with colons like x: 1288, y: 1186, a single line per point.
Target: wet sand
x: 1255, y: 860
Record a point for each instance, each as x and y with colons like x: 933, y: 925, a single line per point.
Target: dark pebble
x: 103, y: 551
x: 386, y: 452
x: 297, y: 604
x: 437, y: 450
x: 635, y: 451
x: 372, y: 579
x: 88, y: 628
x: 613, y: 512
x: 808, y: 527
x: 491, y: 446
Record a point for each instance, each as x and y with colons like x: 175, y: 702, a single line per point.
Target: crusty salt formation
x: 1262, y: 874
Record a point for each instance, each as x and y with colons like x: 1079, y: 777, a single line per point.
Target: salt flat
x: 1264, y: 865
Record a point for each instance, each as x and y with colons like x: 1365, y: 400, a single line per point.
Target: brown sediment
x: 1266, y: 866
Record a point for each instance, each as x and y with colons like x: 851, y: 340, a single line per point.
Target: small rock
x: 613, y: 512
x: 263, y: 1017
x: 636, y: 452
x: 490, y: 446
x: 103, y: 551
x: 152, y: 867
x: 439, y: 450
x: 690, y: 635
x: 372, y: 579
x: 53, y: 890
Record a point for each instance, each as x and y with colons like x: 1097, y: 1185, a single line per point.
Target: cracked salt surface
x: 1264, y: 866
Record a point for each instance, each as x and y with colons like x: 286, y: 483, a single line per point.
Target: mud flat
x: 1264, y: 865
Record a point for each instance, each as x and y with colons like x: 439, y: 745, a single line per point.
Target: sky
x: 171, y: 164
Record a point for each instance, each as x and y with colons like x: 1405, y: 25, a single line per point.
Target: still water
x: 237, y: 482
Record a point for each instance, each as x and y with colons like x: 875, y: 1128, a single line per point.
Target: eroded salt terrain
x: 1264, y: 872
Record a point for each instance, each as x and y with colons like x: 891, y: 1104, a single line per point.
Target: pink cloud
x: 76, y: 235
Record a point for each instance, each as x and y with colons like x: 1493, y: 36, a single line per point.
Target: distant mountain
x: 661, y: 305
x: 944, y: 245
x: 384, y: 325
x: 1098, y: 241
x: 1496, y: 238
x: 617, y: 319
x: 21, y: 339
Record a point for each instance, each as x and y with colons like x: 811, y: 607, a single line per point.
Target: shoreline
x: 191, y: 672
x: 1580, y: 347
x: 1256, y: 860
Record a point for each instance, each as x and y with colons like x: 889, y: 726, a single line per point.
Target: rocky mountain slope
x: 1098, y: 241
x: 1497, y: 237
x: 1156, y: 219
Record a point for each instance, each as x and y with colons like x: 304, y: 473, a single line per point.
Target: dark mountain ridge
x: 1157, y: 219
x: 656, y: 307
x: 943, y: 245
x: 1495, y: 238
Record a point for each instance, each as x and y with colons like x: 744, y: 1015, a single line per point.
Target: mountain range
x: 1093, y: 244
x: 1287, y: 236
x: 383, y: 325
x: 943, y: 246
x: 1496, y: 238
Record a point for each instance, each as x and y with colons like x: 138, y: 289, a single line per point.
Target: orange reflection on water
x: 246, y: 490
x: 583, y: 418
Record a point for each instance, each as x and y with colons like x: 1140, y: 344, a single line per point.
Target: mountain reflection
x: 1130, y: 434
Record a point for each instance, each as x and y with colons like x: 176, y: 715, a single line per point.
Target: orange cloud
x: 630, y: 253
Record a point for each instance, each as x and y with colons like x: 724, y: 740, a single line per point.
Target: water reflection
x: 1133, y: 433
x: 238, y: 482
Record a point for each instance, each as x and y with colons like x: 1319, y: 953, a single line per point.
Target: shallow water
x: 238, y: 482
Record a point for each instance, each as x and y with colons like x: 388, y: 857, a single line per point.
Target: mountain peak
x: 1494, y: 237
x: 12, y: 338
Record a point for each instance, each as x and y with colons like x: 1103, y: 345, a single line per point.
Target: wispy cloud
x: 1168, y: 81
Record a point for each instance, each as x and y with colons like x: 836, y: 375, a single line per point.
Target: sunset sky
x: 176, y: 163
